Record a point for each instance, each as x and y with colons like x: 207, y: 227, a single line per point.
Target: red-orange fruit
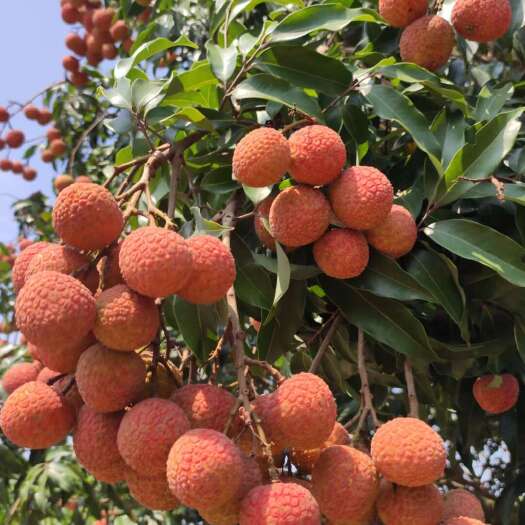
x: 84, y: 178
x: 53, y: 133
x: 213, y: 271
x: 94, y: 58
x: 76, y: 44
x: 496, y: 394
x: 2, y: 144
x: 103, y: 388
x: 401, y: 13
x: 24, y: 243
x: 342, y: 254
x: 299, y: 215
x: 461, y: 502
x: 463, y: 520
x: 4, y: 114
x: 155, y: 262
x: 102, y: 18
x: 46, y: 375
x: 29, y: 173
x: 109, y: 267
x: 318, y: 155
x: 31, y: 349
x: 151, y: 492
x: 14, y: 138
x: 261, y: 158
x: 204, y: 469
x: 427, y: 42
x: 345, y: 483
x: 261, y: 222
x: 125, y: 320
x: 482, y: 20
x: 54, y: 309
x: 31, y: 112
x: 111, y: 475
x: 17, y: 167
x: 410, y: 506
x: 408, y: 452
x: 79, y: 78
x: 44, y: 117
x: 87, y: 216
x: 67, y: 387
x: 63, y: 181
x: 147, y: 433
x: 127, y: 44
x: 94, y: 45
x: 6, y: 165
x: 109, y: 51
x: 58, y: 147
x: 70, y: 63
x: 47, y: 156
x: 119, y: 31
x: 70, y: 14
x: 19, y: 374
x: 279, y: 503
x: 362, y: 197
x: 395, y: 236
x: 36, y: 416
x: 22, y: 262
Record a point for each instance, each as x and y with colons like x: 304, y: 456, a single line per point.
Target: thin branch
x: 279, y: 378
x: 324, y: 345
x: 98, y: 119
x: 411, y: 390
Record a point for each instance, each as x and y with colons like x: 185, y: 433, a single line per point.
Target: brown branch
x: 411, y: 390
x: 298, y: 124
x: 324, y: 345
x: 98, y: 119
x: 279, y: 378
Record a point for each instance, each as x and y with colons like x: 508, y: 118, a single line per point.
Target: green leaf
x: 491, y: 101
x: 146, y: 94
x: 256, y: 195
x: 482, y: 244
x: 519, y: 336
x: 223, y: 60
x: 205, y: 226
x: 449, y: 127
x: 513, y: 192
x: 298, y: 272
x: 283, y: 273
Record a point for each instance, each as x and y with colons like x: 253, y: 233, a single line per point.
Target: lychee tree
x: 256, y: 190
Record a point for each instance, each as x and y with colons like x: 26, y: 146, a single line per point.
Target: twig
x: 279, y: 378
x: 411, y: 390
x: 324, y: 345
x: 98, y: 119
x: 298, y: 124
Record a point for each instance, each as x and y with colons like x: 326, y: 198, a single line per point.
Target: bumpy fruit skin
x: 261, y: 158
x: 155, y: 421
x: 299, y: 215
x: 205, y: 406
x: 151, y: 492
x: 261, y: 223
x: 408, y: 452
x: 461, y: 502
x: 204, y: 469
x: 362, y: 197
x: 111, y: 475
x: 427, y: 42
x: 342, y: 254
x: 401, y: 13
x: 36, y: 416
x: 87, y: 216
x: 126, y: 320
x: 496, y: 394
x: 318, y: 155
x: 22, y: 262
x: 279, y: 503
x: 396, y: 235
x: 463, y: 520
x: 46, y: 374
x: 482, y: 20
x: 110, y: 267
x: 155, y: 262
x: 54, y: 309
x: 108, y: 381
x: 19, y: 374
x: 345, y: 483
x: 410, y: 506
x: 213, y: 271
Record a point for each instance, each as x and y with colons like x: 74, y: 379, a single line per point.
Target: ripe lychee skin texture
x: 151, y: 492
x: 461, y: 502
x: 205, y: 406
x: 261, y: 223
x: 46, y: 374
x: 410, y: 506
x: 111, y: 475
x: 318, y: 155
x: 22, y: 263
x: 279, y: 503
x: 19, y: 374
x: 36, y: 416
x: 482, y: 20
x: 108, y: 381
x: 267, y: 408
x: 345, y: 483
x: 362, y: 197
x: 401, y: 13
x: 299, y: 215
x: 463, y: 520
x: 261, y: 158
x: 204, y: 469
x: 397, y: 235
x: 496, y: 394
x: 87, y: 216
x: 408, y: 452
x: 155, y: 262
x: 342, y: 254
x: 147, y: 433
x: 213, y: 271
x: 427, y: 42
x: 55, y: 309
x: 126, y: 320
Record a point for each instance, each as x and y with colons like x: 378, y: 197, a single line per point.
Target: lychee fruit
x: 482, y: 20
x: 154, y: 420
x: 119, y: 31
x: 76, y: 43
x: 19, y: 374
x: 70, y: 63
x: 213, y: 271
x: 79, y: 78
x: 461, y: 502
x: 427, y: 42
x: 155, y: 262
x: 18, y: 274
x: 6, y: 165
x: 109, y: 51
x: 62, y: 181
x: 17, y: 167
x: 408, y: 452
x: 44, y: 116
x: 84, y: 178
x: 261, y: 158
x: 55, y: 309
x: 261, y: 223
x: 401, y: 13
x: 36, y: 416
x: 204, y: 469
x: 114, y: 474
x: 362, y: 197
x: 4, y: 114
x: 31, y: 112
x: 47, y: 156
x: 14, y: 138
x: 342, y: 253
x: 46, y: 375
x: 396, y: 235
x: 279, y: 503
x: 29, y: 174
x: 496, y: 394
x: 103, y: 388
x: 151, y: 492
x: 87, y: 216
x: 109, y: 267
x: 102, y: 18
x: 125, y: 320
x: 299, y: 215
x: 70, y: 14
x: 58, y: 147
x: 52, y: 134
x: 463, y: 520
x: 318, y: 155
